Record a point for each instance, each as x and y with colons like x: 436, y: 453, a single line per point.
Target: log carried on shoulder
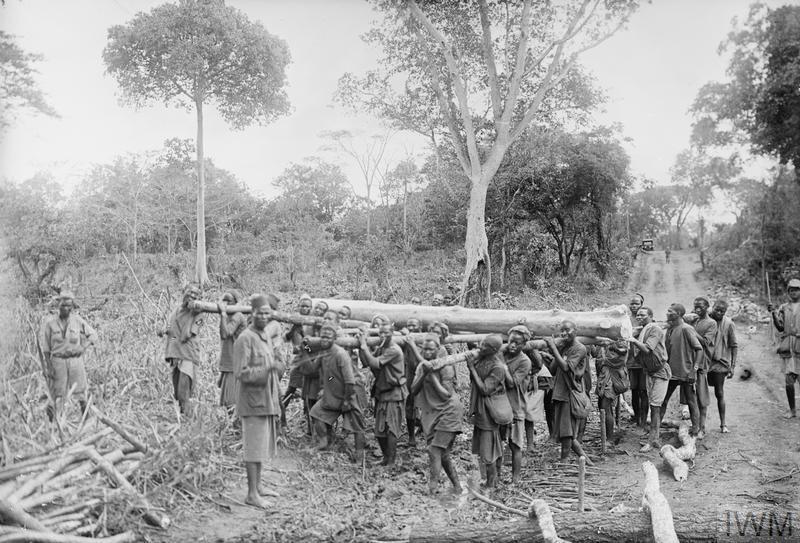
x: 612, y: 322
x: 283, y: 316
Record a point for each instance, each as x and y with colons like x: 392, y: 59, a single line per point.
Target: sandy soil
x: 753, y: 469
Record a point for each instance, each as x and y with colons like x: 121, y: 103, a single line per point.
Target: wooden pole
x: 603, y: 431
x: 127, y: 436
x: 581, y: 482
x: 655, y: 502
x: 13, y: 514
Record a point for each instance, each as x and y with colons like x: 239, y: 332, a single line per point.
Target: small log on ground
x: 33, y: 536
x: 655, y: 502
x: 540, y: 511
x: 149, y: 515
x: 612, y: 322
x: 680, y: 470
x: 52, y: 469
x: 588, y: 527
x: 689, y: 448
x: 13, y: 514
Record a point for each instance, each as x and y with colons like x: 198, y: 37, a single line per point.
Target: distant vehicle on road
x: 647, y: 245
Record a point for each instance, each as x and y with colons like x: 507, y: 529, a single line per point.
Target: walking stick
x: 769, y: 301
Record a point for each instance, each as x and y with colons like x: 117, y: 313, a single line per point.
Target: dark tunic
x: 439, y: 414
x: 564, y: 382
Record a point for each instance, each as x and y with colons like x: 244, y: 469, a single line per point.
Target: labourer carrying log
x: 411, y: 357
x: 387, y: 365
x: 339, y: 399
x: 651, y: 354
x: 182, y: 350
x: 612, y: 379
x: 489, y: 407
x: 440, y: 410
x: 636, y: 374
x: 787, y: 321
x: 64, y: 338
x: 230, y: 326
x: 570, y: 400
x: 517, y: 375
x: 295, y: 335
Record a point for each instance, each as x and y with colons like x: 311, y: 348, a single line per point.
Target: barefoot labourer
x: 518, y: 370
x: 723, y: 359
x: 706, y: 329
x: 183, y: 346
x: 787, y: 320
x: 230, y: 326
x: 488, y: 376
x: 685, y: 354
x: 258, y: 372
x: 390, y: 391
x: 569, y: 398
x: 335, y: 369
x: 440, y: 410
x: 651, y: 354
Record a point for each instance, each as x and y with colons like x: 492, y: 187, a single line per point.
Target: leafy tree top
x: 196, y: 51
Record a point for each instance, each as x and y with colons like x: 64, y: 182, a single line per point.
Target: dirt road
x: 740, y: 471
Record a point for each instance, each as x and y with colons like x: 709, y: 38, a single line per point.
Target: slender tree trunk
x: 503, y: 261
x: 477, y: 282
x: 406, y: 245
x: 201, y: 271
x: 369, y: 211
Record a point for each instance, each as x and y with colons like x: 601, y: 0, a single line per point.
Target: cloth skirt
x: 227, y: 389
x: 564, y: 424
x: 260, y: 438
x: 389, y: 418
x: 487, y: 445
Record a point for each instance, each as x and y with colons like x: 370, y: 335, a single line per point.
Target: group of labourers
x: 406, y: 381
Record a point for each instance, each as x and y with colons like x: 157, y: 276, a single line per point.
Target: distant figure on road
x: 787, y: 320
x: 667, y: 252
x: 64, y: 338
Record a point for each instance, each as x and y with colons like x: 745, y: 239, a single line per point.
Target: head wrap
x: 639, y: 296
x: 520, y: 329
x: 704, y: 298
x: 495, y: 341
x: 191, y: 288
x: 258, y: 301
x: 231, y: 294
x: 793, y: 283
x: 415, y: 300
x: 323, y: 303
x: 65, y: 295
x: 442, y: 326
x: 434, y: 338
x: 327, y: 325
x: 305, y: 296
x: 384, y: 319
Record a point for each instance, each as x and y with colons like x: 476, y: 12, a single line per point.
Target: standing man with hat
x: 787, y: 320
x: 64, y: 339
x: 182, y: 351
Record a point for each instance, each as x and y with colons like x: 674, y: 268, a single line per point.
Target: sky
x: 651, y: 73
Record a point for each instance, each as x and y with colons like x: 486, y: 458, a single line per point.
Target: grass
x: 193, y: 469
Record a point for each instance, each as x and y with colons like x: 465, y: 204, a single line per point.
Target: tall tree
x: 197, y: 52
x: 493, y: 68
x: 19, y: 89
x: 758, y: 104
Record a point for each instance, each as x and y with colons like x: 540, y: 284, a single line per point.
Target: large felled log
x: 588, y: 527
x: 283, y: 316
x: 613, y: 322
x: 658, y: 506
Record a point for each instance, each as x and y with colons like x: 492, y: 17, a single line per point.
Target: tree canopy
x: 758, y: 104
x: 19, y: 89
x: 197, y: 52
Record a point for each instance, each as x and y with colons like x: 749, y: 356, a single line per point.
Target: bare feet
x: 267, y: 492
x: 255, y: 501
x: 646, y: 448
x: 724, y: 429
x: 790, y: 414
x: 701, y: 434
